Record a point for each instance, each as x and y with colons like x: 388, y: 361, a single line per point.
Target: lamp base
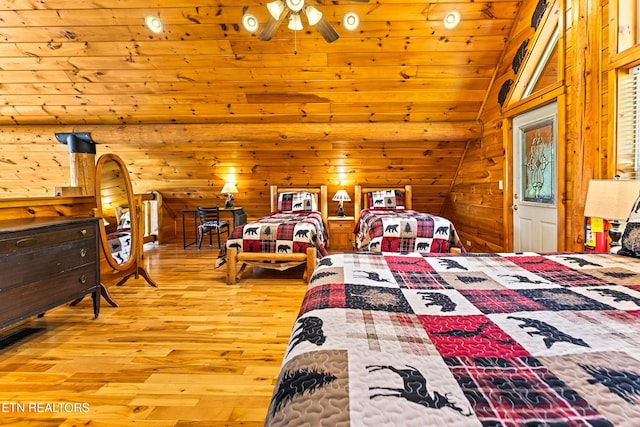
x: 615, y: 233
x: 228, y: 204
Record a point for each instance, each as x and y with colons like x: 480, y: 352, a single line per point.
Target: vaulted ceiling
x: 95, y: 62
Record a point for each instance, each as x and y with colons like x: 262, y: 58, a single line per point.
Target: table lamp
x: 612, y: 200
x: 341, y: 196
x: 229, y: 189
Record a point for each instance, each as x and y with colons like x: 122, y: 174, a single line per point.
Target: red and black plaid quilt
x: 464, y: 340
x: 282, y: 232
x: 404, y: 230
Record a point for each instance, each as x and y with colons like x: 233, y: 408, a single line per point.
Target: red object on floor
x: 595, y: 241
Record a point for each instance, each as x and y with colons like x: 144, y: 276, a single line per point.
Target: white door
x: 535, y: 198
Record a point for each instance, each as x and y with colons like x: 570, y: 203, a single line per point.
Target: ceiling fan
x: 281, y: 9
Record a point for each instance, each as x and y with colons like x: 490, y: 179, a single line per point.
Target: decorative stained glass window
x: 538, y: 157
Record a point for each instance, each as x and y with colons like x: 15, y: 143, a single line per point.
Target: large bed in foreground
x: 292, y: 234
x: 386, y: 222
x: 465, y: 340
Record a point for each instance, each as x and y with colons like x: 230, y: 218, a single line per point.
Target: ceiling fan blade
x: 326, y: 29
x: 272, y: 26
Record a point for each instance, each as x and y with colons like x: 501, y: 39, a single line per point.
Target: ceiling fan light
x: 295, y: 23
x: 275, y: 8
x: 451, y: 20
x: 351, y: 21
x: 313, y: 15
x: 295, y: 5
x: 250, y: 22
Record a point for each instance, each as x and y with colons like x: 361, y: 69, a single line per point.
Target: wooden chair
x: 210, y: 223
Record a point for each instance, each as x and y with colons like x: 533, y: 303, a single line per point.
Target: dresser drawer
x: 31, y: 299
x: 34, y: 263
x: 25, y: 241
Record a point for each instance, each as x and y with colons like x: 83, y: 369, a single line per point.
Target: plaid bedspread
x: 120, y: 245
x: 404, y: 230
x: 282, y: 232
x: 464, y: 340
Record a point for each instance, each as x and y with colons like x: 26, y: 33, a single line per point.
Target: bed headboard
x: 360, y: 199
x: 320, y: 192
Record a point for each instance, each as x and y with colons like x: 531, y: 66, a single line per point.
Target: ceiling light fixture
x: 153, y: 23
x: 249, y: 22
x: 351, y: 21
x: 451, y: 20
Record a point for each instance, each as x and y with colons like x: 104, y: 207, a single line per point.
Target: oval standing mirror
x: 119, y: 232
x: 115, y: 202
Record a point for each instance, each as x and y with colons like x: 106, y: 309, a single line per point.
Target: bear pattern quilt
x: 120, y: 245
x: 464, y: 340
x: 280, y: 232
x: 404, y: 230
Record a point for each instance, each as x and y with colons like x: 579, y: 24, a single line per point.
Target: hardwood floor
x: 192, y: 352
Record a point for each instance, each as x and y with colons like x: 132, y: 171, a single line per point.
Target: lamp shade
x: 229, y: 188
x: 341, y: 196
x: 313, y: 15
x: 295, y: 23
x: 275, y: 8
x: 611, y: 199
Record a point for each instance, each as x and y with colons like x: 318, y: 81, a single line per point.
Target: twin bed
x: 293, y: 234
x: 388, y: 224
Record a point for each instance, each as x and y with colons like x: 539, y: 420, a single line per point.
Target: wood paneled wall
x: 189, y: 164
x: 478, y: 208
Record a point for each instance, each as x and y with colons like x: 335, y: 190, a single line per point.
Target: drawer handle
x: 83, y: 252
x: 83, y: 279
x: 25, y: 242
x: 83, y: 232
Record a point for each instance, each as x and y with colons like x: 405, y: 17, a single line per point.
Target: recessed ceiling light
x: 351, y: 21
x: 250, y: 22
x: 451, y: 20
x: 154, y: 24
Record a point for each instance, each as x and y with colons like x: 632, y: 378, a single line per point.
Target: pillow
x: 297, y: 201
x: 385, y: 199
x: 631, y: 240
x: 125, y: 222
x: 631, y: 235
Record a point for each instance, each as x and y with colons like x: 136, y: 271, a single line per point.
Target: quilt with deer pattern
x: 279, y: 232
x: 458, y: 340
x: 404, y: 230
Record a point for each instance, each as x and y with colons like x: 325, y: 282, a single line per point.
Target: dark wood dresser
x: 47, y: 262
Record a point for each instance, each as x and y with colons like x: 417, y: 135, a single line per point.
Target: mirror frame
x: 133, y: 209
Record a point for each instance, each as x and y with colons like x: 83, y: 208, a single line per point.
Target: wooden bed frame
x: 360, y: 199
x: 274, y: 260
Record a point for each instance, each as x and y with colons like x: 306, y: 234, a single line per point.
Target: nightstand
x: 341, y: 233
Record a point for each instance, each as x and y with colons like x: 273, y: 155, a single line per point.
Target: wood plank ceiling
x: 73, y: 62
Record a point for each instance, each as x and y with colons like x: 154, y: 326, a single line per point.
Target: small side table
x: 341, y: 233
